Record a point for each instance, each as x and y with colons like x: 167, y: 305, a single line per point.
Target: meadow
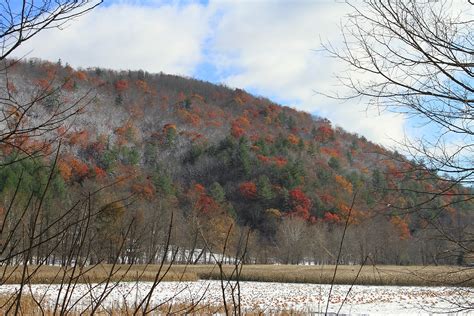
x: 321, y: 274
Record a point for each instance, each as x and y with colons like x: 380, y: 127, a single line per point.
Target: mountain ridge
x: 218, y: 157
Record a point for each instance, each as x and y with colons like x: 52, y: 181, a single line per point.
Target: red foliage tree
x: 79, y: 169
x: 199, y: 188
x: 264, y: 159
x: 324, y: 133
x: 121, y: 85
x: 239, y: 125
x: 300, y: 212
x: 99, y: 172
x: 298, y: 198
x: 68, y: 84
x: 280, y: 161
x: 248, y: 190
x: 237, y: 131
x: 331, y: 217
x: 202, y: 202
x: 206, y: 204
x: 300, y: 203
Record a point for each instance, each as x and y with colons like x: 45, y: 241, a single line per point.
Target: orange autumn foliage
x: 401, y: 226
x: 278, y: 161
x: 168, y: 126
x: 145, y: 190
x: 127, y: 132
x: 72, y: 169
x: 142, y: 85
x: 199, y: 188
x: 44, y: 84
x: 293, y: 139
x: 65, y: 170
x: 333, y: 152
x: 197, y: 97
x: 189, y: 118
x: 80, y: 138
x: 79, y: 168
x: 237, y: 131
x: 242, y: 121
x: 238, y: 100
x: 214, y: 124
x: 239, y: 125
x: 343, y: 183
x: 80, y: 75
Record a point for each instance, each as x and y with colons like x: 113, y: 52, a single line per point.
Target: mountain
x: 148, y: 145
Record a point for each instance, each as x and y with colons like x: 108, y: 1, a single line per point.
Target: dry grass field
x: 93, y: 274
x: 369, y: 275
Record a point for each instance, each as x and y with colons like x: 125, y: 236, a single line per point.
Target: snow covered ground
x: 272, y: 297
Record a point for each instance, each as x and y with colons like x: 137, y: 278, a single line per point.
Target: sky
x: 270, y: 48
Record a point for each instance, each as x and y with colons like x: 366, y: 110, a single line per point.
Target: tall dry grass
x: 369, y: 275
x: 95, y: 274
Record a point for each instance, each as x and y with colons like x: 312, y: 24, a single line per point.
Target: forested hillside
x: 148, y: 145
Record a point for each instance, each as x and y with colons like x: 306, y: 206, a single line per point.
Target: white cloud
x: 273, y: 47
x: 166, y: 38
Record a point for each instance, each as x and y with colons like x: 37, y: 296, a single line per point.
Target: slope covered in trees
x: 216, y: 157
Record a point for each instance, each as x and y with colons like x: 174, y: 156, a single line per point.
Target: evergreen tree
x: 264, y: 188
x: 217, y: 192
